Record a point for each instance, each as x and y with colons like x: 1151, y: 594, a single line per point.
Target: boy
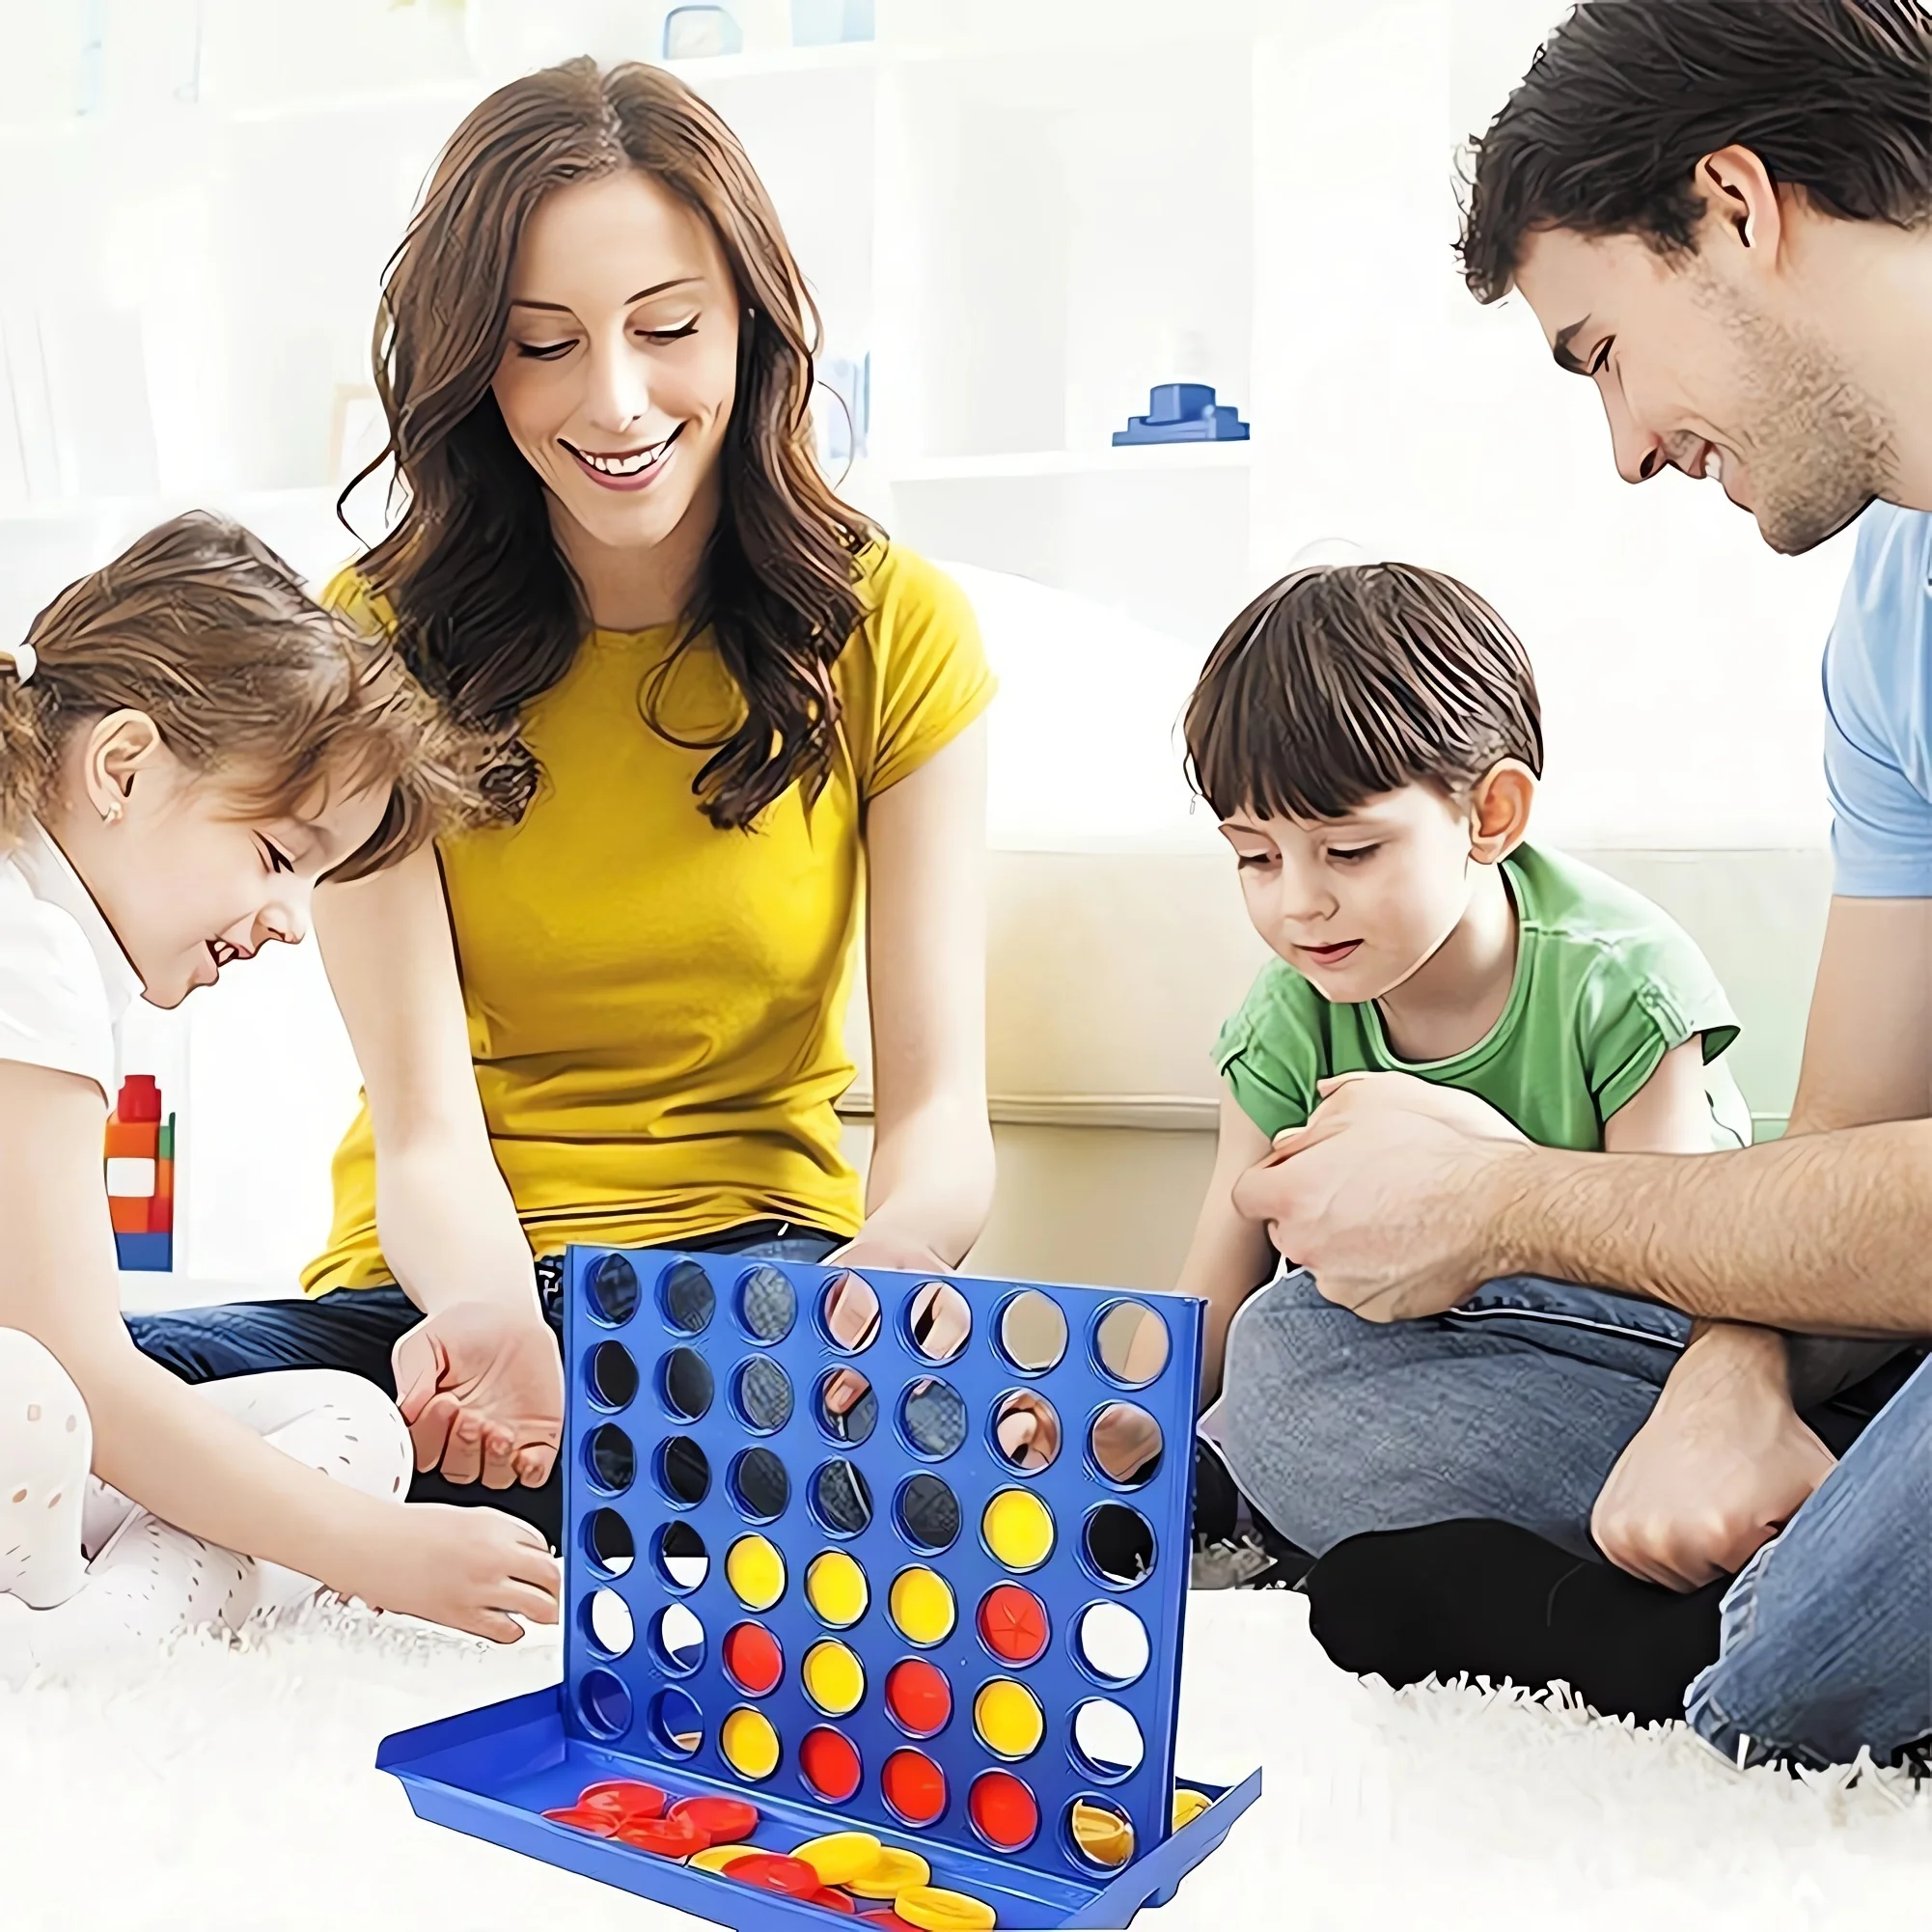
x: 1371, y: 740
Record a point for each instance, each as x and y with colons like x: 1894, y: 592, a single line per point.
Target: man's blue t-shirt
x: 1878, y: 711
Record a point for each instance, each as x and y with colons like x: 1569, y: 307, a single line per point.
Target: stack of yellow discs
x: 891, y: 1873
x: 935, y: 1909
x: 1188, y: 1806
x: 836, y: 1588
x: 1105, y: 1837
x: 834, y: 1678
x: 840, y: 1857
x: 756, y: 1571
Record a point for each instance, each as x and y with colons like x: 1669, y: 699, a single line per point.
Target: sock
x: 1496, y: 1601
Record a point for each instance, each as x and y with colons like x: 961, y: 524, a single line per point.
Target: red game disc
x: 754, y: 1659
x: 672, y: 1837
x: 830, y: 1763
x: 828, y: 1900
x: 915, y: 1786
x: 1004, y: 1809
x: 624, y: 1798
x: 767, y: 1872
x: 919, y: 1696
x: 724, y: 1821
x: 1012, y: 1621
x: 581, y: 1818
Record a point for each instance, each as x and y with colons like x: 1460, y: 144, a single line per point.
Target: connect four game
x: 874, y: 1591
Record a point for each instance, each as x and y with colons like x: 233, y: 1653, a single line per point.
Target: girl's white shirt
x: 64, y: 981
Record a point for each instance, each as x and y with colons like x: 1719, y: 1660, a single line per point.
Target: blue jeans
x: 356, y: 1328
x: 1515, y: 1407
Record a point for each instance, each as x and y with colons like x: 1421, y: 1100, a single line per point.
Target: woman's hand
x: 473, y: 1569
x: 886, y: 1247
x: 481, y: 1386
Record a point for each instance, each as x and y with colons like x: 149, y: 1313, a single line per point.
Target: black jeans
x: 355, y: 1329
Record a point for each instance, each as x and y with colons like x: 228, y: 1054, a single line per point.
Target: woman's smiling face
x: 618, y: 381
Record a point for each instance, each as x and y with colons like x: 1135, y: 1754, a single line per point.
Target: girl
x: 732, y: 720
x: 187, y: 745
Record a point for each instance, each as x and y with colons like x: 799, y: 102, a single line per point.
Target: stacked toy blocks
x: 141, y: 1176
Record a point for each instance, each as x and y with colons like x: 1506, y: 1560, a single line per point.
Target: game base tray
x: 492, y: 1772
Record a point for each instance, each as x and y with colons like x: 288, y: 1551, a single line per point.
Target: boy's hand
x: 473, y: 1569
x: 482, y: 1387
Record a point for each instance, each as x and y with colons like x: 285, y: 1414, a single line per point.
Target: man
x: 1721, y: 213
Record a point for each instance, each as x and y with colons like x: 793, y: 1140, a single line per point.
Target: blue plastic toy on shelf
x: 1183, y: 412
x: 874, y: 1589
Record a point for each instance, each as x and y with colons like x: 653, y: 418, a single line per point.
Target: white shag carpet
x: 232, y: 1788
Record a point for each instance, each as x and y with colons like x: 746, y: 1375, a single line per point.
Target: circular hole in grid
x: 1125, y: 1443
x: 840, y: 1497
x: 762, y: 1395
x: 753, y: 1659
x: 675, y: 1722
x: 1099, y: 1836
x: 614, y: 1292
x: 836, y: 1590
x: 603, y: 1703
x: 932, y: 1418
x: 1007, y: 1719
x: 747, y: 1741
x: 755, y: 1569
x: 1025, y: 1429
x: 761, y: 1485
x: 1106, y: 1741
x: 1019, y: 1529
x: 914, y: 1786
x: 1013, y: 1624
x: 609, y: 1543
x: 767, y: 1304
x: 919, y: 1696
x: 680, y: 1556
x: 687, y: 1298
x: 927, y: 1514
x: 847, y: 1410
x: 938, y: 1320
x: 678, y: 1638
x: 1004, y: 1811
x: 1120, y: 1545
x: 921, y: 1607
x: 1111, y: 1643
x: 1032, y: 1331
x: 834, y: 1678
x: 1130, y: 1342
x: 612, y: 1375
x: 610, y: 1458
x: 848, y: 1311
x: 828, y: 1762
x: 683, y: 1470
x: 607, y: 1622
x: 686, y: 1383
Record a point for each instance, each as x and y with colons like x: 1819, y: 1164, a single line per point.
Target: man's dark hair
x: 1337, y: 684
x: 1605, y: 132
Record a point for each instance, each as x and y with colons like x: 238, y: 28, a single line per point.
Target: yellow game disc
x: 840, y: 1857
x: 1188, y: 1806
x: 749, y: 1743
x: 891, y: 1873
x: 718, y: 1857
x: 940, y: 1911
x: 835, y: 1680
x: 756, y: 1571
x: 1018, y: 1528
x: 922, y: 1604
x: 1007, y: 1718
x: 836, y: 1588
x: 1105, y: 1837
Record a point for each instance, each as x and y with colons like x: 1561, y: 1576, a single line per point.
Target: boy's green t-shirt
x: 1605, y: 986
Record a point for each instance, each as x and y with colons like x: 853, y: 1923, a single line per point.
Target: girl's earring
x: 110, y: 815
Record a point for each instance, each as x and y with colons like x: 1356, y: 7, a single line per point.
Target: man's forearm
x: 1829, y: 1234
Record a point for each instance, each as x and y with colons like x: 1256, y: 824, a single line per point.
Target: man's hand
x: 482, y: 1387
x: 1723, y: 1464
x: 1390, y: 1195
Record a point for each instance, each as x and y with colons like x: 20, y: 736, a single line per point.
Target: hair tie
x: 23, y: 657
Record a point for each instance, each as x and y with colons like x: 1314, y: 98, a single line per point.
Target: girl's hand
x: 473, y: 1569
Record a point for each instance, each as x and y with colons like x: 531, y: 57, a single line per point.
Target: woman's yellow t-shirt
x: 656, y: 1007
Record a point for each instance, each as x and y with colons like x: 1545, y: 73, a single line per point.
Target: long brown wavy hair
x: 488, y: 611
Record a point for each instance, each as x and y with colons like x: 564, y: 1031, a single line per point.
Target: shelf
x: 1110, y: 461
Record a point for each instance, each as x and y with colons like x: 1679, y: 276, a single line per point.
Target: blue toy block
x: 1183, y: 412
x: 711, y: 1414
x: 145, y: 1254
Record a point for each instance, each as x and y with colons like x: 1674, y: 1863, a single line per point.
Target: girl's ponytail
x: 26, y: 748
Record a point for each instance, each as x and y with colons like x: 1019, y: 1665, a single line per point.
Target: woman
x: 730, y: 715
